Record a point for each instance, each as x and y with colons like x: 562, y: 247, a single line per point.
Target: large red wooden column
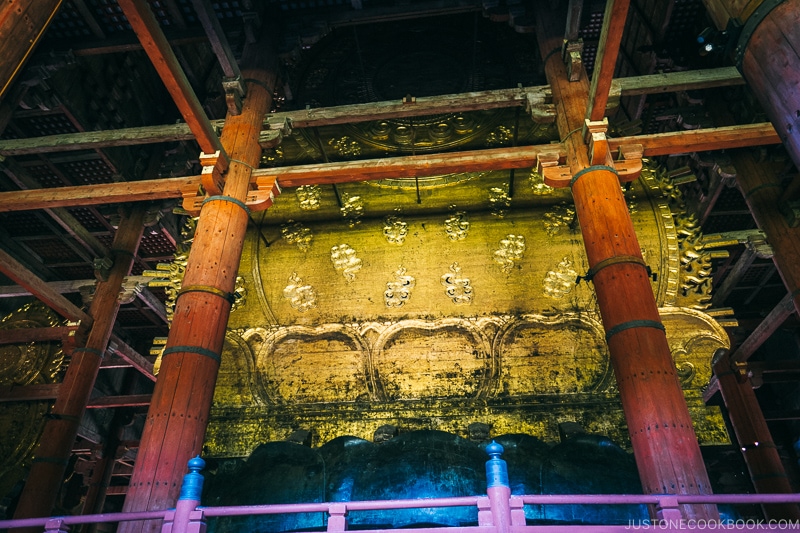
x: 662, y: 436
x: 759, y: 451
x: 55, y: 445
x: 181, y: 402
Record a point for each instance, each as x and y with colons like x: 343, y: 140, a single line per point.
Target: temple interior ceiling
x: 426, y: 303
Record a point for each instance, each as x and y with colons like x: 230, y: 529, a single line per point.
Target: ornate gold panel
x: 415, y: 322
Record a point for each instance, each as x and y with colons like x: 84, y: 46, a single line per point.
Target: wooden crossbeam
x: 29, y: 393
x: 111, y: 402
x: 119, y: 348
x: 25, y: 335
x: 387, y: 168
x: 655, y: 83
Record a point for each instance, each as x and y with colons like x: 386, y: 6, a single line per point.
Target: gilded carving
x: 398, y: 291
x: 500, y: 136
x: 297, y: 234
x: 457, y: 226
x: 301, y: 296
x: 499, y: 200
x: 345, y: 146
x: 352, y: 208
x: 560, y: 281
x: 538, y: 186
x: 308, y: 197
x: 696, y: 266
x: 345, y: 261
x: 558, y: 219
x: 511, y: 250
x: 21, y: 423
x: 395, y: 230
x: 457, y: 288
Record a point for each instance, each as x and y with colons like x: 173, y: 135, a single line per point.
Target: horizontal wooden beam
x: 407, y: 166
x: 111, y: 402
x: 655, y: 83
x: 386, y: 168
x: 25, y: 335
x: 429, y: 105
x: 701, y: 140
x: 774, y: 320
x: 29, y: 393
x: 63, y: 287
x: 92, y: 140
x: 677, y: 81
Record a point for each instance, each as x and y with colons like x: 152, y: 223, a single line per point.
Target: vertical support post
x: 55, y: 446
x: 664, y: 443
x: 337, y: 517
x: 759, y: 451
x: 497, y: 488
x: 179, y: 409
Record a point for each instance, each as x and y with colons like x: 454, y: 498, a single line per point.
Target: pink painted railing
x: 498, y: 510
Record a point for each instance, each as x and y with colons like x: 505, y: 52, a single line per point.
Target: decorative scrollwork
x: 301, y: 296
x: 457, y: 288
x: 538, y: 186
x: 352, y: 208
x: 345, y: 261
x: 560, y: 281
x: 395, y: 230
x: 499, y: 201
x: 560, y: 217
x: 297, y: 234
x: 457, y: 226
x: 398, y: 292
x: 510, y: 252
x: 308, y: 196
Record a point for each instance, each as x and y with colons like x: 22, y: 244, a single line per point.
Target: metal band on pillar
x: 222, y: 198
x: 591, y: 169
x: 753, y: 21
x: 614, y: 260
x: 207, y: 289
x: 192, y: 349
x: 95, y: 351
x: 634, y: 324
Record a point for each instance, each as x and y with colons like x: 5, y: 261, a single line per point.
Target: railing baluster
x: 56, y: 525
x: 497, y: 488
x: 188, y: 501
x: 337, y: 517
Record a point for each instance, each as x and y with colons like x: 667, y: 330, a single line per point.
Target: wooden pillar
x: 662, y: 436
x: 55, y: 445
x: 762, y: 191
x: 759, y: 451
x: 22, y: 24
x: 181, y: 402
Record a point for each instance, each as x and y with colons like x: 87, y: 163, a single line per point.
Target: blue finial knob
x: 494, y: 450
x: 192, y: 487
x: 496, y: 469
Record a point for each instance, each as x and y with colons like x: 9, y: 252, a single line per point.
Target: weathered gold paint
x: 525, y: 353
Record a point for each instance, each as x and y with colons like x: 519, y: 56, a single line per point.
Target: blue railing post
x: 497, y: 488
x: 184, y: 519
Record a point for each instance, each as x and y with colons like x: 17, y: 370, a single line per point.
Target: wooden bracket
x: 270, y: 138
x: 571, y: 54
x: 214, y: 166
x: 555, y: 175
x: 234, y: 92
x: 540, y: 107
x: 629, y: 166
x: 266, y: 189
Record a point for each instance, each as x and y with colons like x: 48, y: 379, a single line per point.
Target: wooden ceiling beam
x: 656, y: 83
x: 157, y: 47
x: 607, y: 51
x: 392, y: 167
x: 21, y: 26
x: 17, y: 272
x: 119, y: 348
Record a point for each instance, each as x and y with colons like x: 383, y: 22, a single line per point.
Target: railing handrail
x: 374, y: 505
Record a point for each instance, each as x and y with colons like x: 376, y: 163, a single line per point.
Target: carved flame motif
x: 499, y: 201
x: 345, y: 261
x: 558, y: 218
x: 511, y: 250
x: 456, y: 288
x: 301, y: 297
x: 352, y: 208
x: 395, y: 230
x: 457, y: 226
x: 296, y: 233
x: 560, y: 282
x: 399, y: 291
x: 308, y: 197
